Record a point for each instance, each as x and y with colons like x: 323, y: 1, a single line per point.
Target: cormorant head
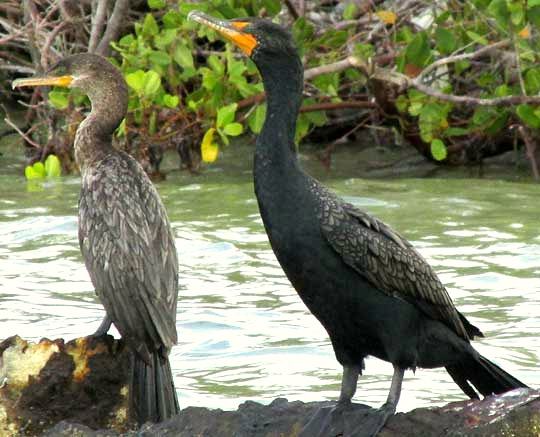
x: 91, y: 73
x: 258, y: 38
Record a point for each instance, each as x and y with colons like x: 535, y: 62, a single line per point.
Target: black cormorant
x: 124, y: 235
x: 370, y: 289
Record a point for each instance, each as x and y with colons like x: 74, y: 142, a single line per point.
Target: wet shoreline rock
x: 79, y: 388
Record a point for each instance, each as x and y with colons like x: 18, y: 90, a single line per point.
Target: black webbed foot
x: 369, y: 424
x: 336, y: 420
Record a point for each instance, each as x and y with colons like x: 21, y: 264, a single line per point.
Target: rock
x: 84, y: 381
x: 80, y: 389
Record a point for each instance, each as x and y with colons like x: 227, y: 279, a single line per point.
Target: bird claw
x: 340, y: 419
x: 103, y: 328
x: 370, y: 424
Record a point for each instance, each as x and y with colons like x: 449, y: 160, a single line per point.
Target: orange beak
x: 232, y: 30
x: 63, y: 81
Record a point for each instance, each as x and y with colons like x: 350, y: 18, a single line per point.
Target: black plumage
x: 370, y: 289
x: 124, y: 235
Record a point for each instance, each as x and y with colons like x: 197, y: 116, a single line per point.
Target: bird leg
x: 103, y: 327
x: 331, y: 420
x: 353, y: 420
x: 349, y: 380
x: 374, y: 422
x: 395, y: 388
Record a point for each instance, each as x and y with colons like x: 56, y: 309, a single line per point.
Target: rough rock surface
x: 84, y: 380
x: 79, y: 389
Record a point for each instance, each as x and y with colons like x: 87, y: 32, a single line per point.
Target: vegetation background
x: 456, y: 80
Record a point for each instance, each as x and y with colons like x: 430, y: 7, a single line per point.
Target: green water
x: 244, y: 333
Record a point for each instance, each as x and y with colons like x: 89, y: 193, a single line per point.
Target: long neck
x: 283, y: 83
x: 94, y: 135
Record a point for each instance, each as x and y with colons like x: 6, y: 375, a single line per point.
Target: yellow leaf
x: 525, y: 32
x: 387, y: 17
x: 209, y: 150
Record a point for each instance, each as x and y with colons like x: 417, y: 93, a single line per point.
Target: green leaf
x: 126, y: 41
x: 483, y: 115
x: 150, y: 27
x: 216, y: 64
x: 135, y: 80
x: 318, y: 118
x: 461, y: 66
x: 233, y: 129
x: 30, y: 173
x: 498, y: 8
x: 209, y: 78
x: 527, y: 115
x: 170, y: 101
x: 533, y: 16
x: 223, y: 137
x: 172, y: 19
x: 476, y: 38
x: 532, y: 81
x: 438, y: 150
x: 443, y: 17
x: 350, y: 11
x: 446, y: 43
x: 257, y: 117
x: 58, y: 99
x: 38, y: 169
x: 236, y: 70
x: 498, y: 123
x: 502, y: 91
x: 533, y: 3
x: 183, y: 57
x: 517, y: 14
x: 159, y: 58
x: 152, y: 82
x: 273, y: 7
x: 52, y: 166
x: 430, y: 120
x: 456, y: 132
x: 402, y: 103
x: 418, y: 50
x: 225, y: 115
x: 157, y: 4
x: 165, y: 38
x: 415, y: 108
x: 302, y: 128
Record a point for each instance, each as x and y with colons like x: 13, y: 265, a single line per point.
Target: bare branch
x: 465, y: 56
x: 17, y: 68
x: 114, y: 25
x: 21, y: 133
x: 530, y: 145
x: 328, y: 68
x: 50, y: 38
x: 403, y: 82
x: 98, y: 21
x: 292, y: 9
x: 325, y: 106
x: 475, y: 101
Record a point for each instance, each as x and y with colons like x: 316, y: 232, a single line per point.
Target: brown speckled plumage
x: 125, y: 239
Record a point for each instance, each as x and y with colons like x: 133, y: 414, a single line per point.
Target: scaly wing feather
x: 388, y: 261
x: 129, y: 251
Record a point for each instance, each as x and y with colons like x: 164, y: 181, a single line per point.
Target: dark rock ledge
x: 79, y: 389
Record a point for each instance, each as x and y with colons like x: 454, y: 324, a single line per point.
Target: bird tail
x: 485, y: 376
x: 152, y: 396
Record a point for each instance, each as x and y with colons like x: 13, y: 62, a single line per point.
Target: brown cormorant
x: 124, y: 234
x: 367, y: 285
